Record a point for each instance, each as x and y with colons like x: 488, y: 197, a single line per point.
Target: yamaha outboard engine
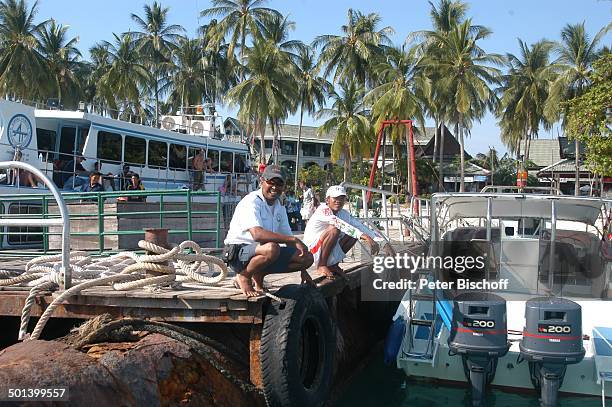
x: 479, y: 335
x: 552, y: 339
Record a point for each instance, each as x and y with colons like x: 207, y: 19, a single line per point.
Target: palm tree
x: 350, y: 118
x: 312, y: 92
x: 268, y: 94
x: 21, y: 65
x: 188, y: 80
x: 155, y: 42
x: 444, y: 17
x: 577, y: 52
x: 221, y: 73
x: 401, y: 92
x: 239, y: 19
x: 100, y: 95
x: 62, y: 60
x: 353, y: 53
x: 126, y: 76
x: 465, y: 74
x: 524, y: 91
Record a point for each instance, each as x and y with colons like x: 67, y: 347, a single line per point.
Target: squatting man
x: 331, y: 232
x: 260, y: 241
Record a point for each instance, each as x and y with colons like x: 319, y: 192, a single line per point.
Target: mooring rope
x: 124, y: 271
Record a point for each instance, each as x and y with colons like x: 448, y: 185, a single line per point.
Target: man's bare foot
x: 337, y: 271
x: 258, y: 279
x: 326, y: 271
x: 246, y: 285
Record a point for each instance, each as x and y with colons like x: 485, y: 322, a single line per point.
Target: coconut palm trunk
x: 462, y: 184
x: 436, y: 137
x: 297, y: 151
x: 347, y: 164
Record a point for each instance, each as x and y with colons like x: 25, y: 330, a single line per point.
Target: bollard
x: 159, y: 237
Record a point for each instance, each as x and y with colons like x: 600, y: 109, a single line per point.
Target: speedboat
x: 532, y: 311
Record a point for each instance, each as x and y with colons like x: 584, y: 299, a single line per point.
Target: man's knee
x: 270, y: 250
x: 307, y: 260
x: 331, y: 232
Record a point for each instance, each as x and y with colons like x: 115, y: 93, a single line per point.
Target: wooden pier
x: 219, y: 308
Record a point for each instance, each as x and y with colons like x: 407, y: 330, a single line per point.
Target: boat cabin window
x: 134, y: 150
x: 240, y: 163
x: 227, y: 161
x: 67, y: 143
x: 178, y: 157
x: 158, y: 154
x: 109, y: 146
x: 46, y: 142
x: 214, y: 156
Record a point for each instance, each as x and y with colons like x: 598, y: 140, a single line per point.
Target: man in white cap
x: 331, y: 232
x: 257, y: 230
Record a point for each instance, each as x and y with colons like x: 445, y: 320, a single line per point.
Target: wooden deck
x: 219, y: 304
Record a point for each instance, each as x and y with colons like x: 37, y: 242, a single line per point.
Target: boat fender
x: 297, y: 349
x: 394, y: 338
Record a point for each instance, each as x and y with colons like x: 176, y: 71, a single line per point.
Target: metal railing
x: 154, y: 214
x: 62, y: 219
x: 513, y: 188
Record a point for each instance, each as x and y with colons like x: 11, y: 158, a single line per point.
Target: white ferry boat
x: 51, y: 140
x: 549, y: 328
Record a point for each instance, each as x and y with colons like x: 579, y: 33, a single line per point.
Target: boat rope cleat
x: 479, y: 335
x: 552, y: 339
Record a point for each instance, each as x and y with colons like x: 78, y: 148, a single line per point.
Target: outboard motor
x: 479, y: 335
x: 552, y: 339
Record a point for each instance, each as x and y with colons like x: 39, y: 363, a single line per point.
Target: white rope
x: 124, y: 271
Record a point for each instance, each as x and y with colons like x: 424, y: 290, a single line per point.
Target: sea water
x: 378, y: 385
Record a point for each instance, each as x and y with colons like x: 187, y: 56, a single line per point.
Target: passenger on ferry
x: 259, y: 240
x: 71, y: 172
x: 198, y: 170
x: 95, y: 183
x: 331, y: 232
x: 125, y: 178
x: 108, y: 180
x: 208, y: 165
x: 136, y: 185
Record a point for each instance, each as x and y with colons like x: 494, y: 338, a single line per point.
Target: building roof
x: 542, y: 152
x: 565, y: 165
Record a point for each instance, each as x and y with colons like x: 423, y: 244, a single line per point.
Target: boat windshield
x: 563, y: 250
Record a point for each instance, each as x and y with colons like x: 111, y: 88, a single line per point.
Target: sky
x: 529, y: 20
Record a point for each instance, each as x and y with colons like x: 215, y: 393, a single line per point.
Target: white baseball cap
x: 335, y: 191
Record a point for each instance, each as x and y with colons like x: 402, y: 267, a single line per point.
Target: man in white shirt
x: 331, y: 232
x: 257, y: 229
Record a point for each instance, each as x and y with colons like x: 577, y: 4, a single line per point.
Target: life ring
x: 297, y: 351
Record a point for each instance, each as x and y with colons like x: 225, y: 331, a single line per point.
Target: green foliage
x: 586, y: 118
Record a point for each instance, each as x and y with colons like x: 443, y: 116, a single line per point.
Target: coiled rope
x: 124, y: 271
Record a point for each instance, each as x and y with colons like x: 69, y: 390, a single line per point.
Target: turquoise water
x: 382, y: 386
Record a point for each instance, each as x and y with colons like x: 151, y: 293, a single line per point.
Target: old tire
x: 298, y: 344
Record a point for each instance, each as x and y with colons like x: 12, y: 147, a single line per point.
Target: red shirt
x: 262, y: 168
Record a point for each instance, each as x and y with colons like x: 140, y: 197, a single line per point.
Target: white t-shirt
x: 323, y: 217
x: 252, y: 211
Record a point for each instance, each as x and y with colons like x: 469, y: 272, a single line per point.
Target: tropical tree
x: 466, y: 74
x: 577, y: 52
x: 221, y: 73
x: 98, y: 93
x: 188, y: 77
x: 354, y: 53
x: 401, y: 92
x: 268, y: 94
x: 350, y: 118
x: 239, y: 19
x: 155, y: 42
x: 127, y: 75
x: 21, y: 65
x: 276, y: 28
x: 525, y: 89
x: 312, y: 90
x: 444, y: 17
x: 62, y: 60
